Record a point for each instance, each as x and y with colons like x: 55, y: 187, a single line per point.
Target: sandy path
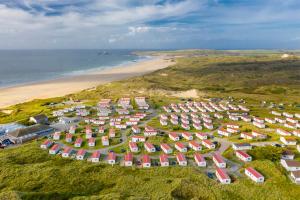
x: 63, y: 86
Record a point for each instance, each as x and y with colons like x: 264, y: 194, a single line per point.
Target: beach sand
x: 68, y: 85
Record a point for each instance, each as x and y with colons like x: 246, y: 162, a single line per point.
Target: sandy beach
x: 67, y: 85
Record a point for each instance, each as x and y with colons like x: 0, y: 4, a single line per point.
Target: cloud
x: 146, y: 23
x: 140, y: 29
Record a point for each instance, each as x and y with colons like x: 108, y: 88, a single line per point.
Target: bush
x: 267, y: 152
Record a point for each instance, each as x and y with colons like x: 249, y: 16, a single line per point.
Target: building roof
x: 163, y: 158
x: 173, y: 134
x: 28, y: 130
x: 149, y: 145
x: 138, y: 136
x: 180, y: 157
x: 242, y: 153
x: 296, y: 174
x: 128, y: 157
x: 201, y: 134
x: 111, y: 156
x: 165, y: 146
x: 96, y: 154
x: 92, y: 140
x: 132, y: 145
x: 180, y: 145
x: 55, y: 147
x: 207, y: 142
x: 186, y: 134
x: 78, y: 140
x: 198, y: 157
x: 223, y: 174
x: 218, y: 158
x: 292, y: 163
x: 254, y: 172
x: 194, y: 143
x: 81, y: 152
x: 67, y: 150
x: 146, y: 159
x: 47, y: 142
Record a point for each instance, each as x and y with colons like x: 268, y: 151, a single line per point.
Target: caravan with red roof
x: 195, y: 145
x: 149, y: 147
x: 95, y: 156
x: 69, y: 137
x: 254, y: 175
x: 243, y: 156
x: 56, y: 136
x: 54, y: 149
x: 187, y: 136
x: 146, y: 161
x: 290, y: 165
x: 149, y: 131
x: 208, y: 144
x: 224, y: 132
x: 180, y: 157
x: 111, y: 158
x: 138, y: 138
x: 166, y: 148
x: 202, y: 136
x: 46, y: 144
x: 288, y: 141
x: 80, y: 154
x: 128, y: 160
x: 283, y: 132
x: 136, y: 129
x: 199, y: 159
x: 105, y: 140
x: 78, y: 142
x: 219, y: 161
x: 259, y: 135
x: 247, y: 136
x: 133, y: 147
x: 164, y: 160
x: 67, y: 152
x: 180, y: 147
x: 223, y: 176
x: 92, y: 142
x: 174, y: 136
x: 112, y: 133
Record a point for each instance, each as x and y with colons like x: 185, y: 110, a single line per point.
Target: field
x: 27, y: 172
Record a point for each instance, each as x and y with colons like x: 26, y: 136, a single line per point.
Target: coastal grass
x: 28, y: 172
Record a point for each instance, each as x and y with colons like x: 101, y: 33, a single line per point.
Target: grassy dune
x: 30, y: 173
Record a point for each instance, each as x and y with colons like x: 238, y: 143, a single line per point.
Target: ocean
x: 19, y: 67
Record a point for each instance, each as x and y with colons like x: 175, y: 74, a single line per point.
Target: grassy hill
x: 29, y: 173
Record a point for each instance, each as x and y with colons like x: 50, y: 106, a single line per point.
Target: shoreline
x: 75, y: 83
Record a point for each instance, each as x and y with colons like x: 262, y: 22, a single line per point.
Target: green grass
x: 30, y: 173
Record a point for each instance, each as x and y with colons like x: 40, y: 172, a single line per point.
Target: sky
x: 149, y: 24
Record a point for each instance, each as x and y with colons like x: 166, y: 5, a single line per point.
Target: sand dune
x: 63, y: 86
